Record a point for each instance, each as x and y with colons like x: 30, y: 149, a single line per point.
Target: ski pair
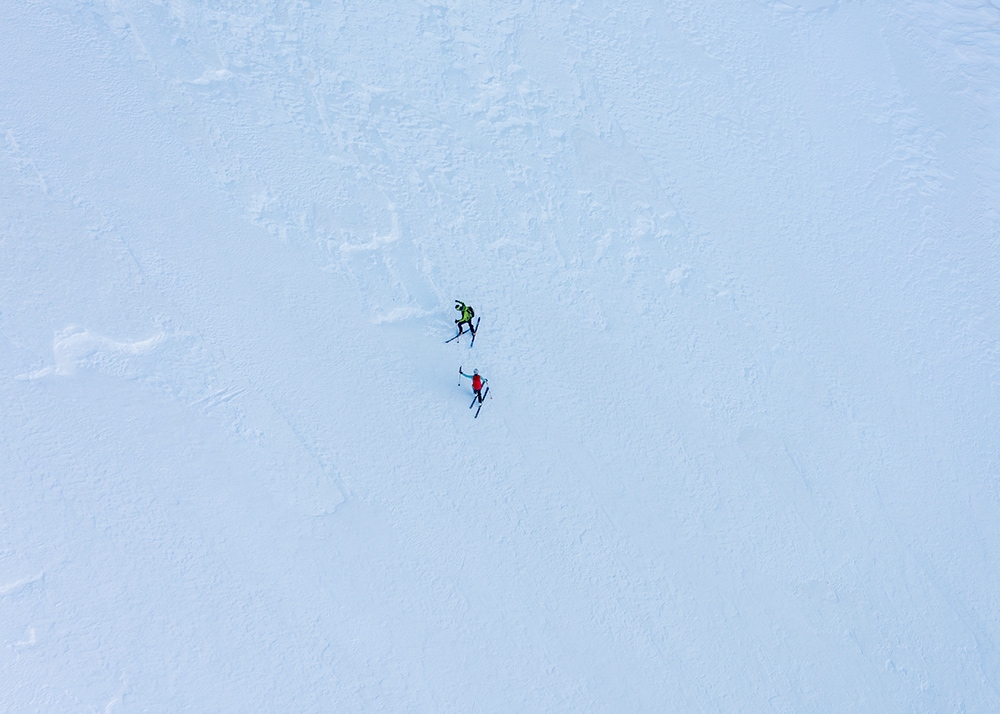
x: 487, y: 391
x: 472, y: 329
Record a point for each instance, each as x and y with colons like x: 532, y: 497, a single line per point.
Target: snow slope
x: 737, y: 268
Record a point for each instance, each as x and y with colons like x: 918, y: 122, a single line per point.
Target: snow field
x: 736, y: 265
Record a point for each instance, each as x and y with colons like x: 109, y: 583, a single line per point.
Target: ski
x: 474, y: 332
x: 481, y: 404
x: 477, y: 396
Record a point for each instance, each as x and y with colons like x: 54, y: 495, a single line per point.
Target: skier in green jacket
x: 467, y: 313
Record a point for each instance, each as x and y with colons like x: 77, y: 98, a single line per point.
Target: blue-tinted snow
x: 737, y: 269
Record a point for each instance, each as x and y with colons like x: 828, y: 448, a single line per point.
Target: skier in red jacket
x: 477, y: 383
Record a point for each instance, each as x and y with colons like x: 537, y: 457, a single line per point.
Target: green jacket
x: 467, y: 312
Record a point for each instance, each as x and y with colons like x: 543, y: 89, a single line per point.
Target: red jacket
x: 477, y: 382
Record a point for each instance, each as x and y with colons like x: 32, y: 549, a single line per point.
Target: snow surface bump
x: 74, y: 347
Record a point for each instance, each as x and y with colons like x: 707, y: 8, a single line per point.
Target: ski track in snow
x: 736, y: 270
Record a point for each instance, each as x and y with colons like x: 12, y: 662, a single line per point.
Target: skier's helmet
x: 475, y: 371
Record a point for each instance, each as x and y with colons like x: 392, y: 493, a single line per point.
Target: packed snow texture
x: 737, y: 268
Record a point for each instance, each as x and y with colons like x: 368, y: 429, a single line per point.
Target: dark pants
x: 464, y: 322
x: 479, y: 394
